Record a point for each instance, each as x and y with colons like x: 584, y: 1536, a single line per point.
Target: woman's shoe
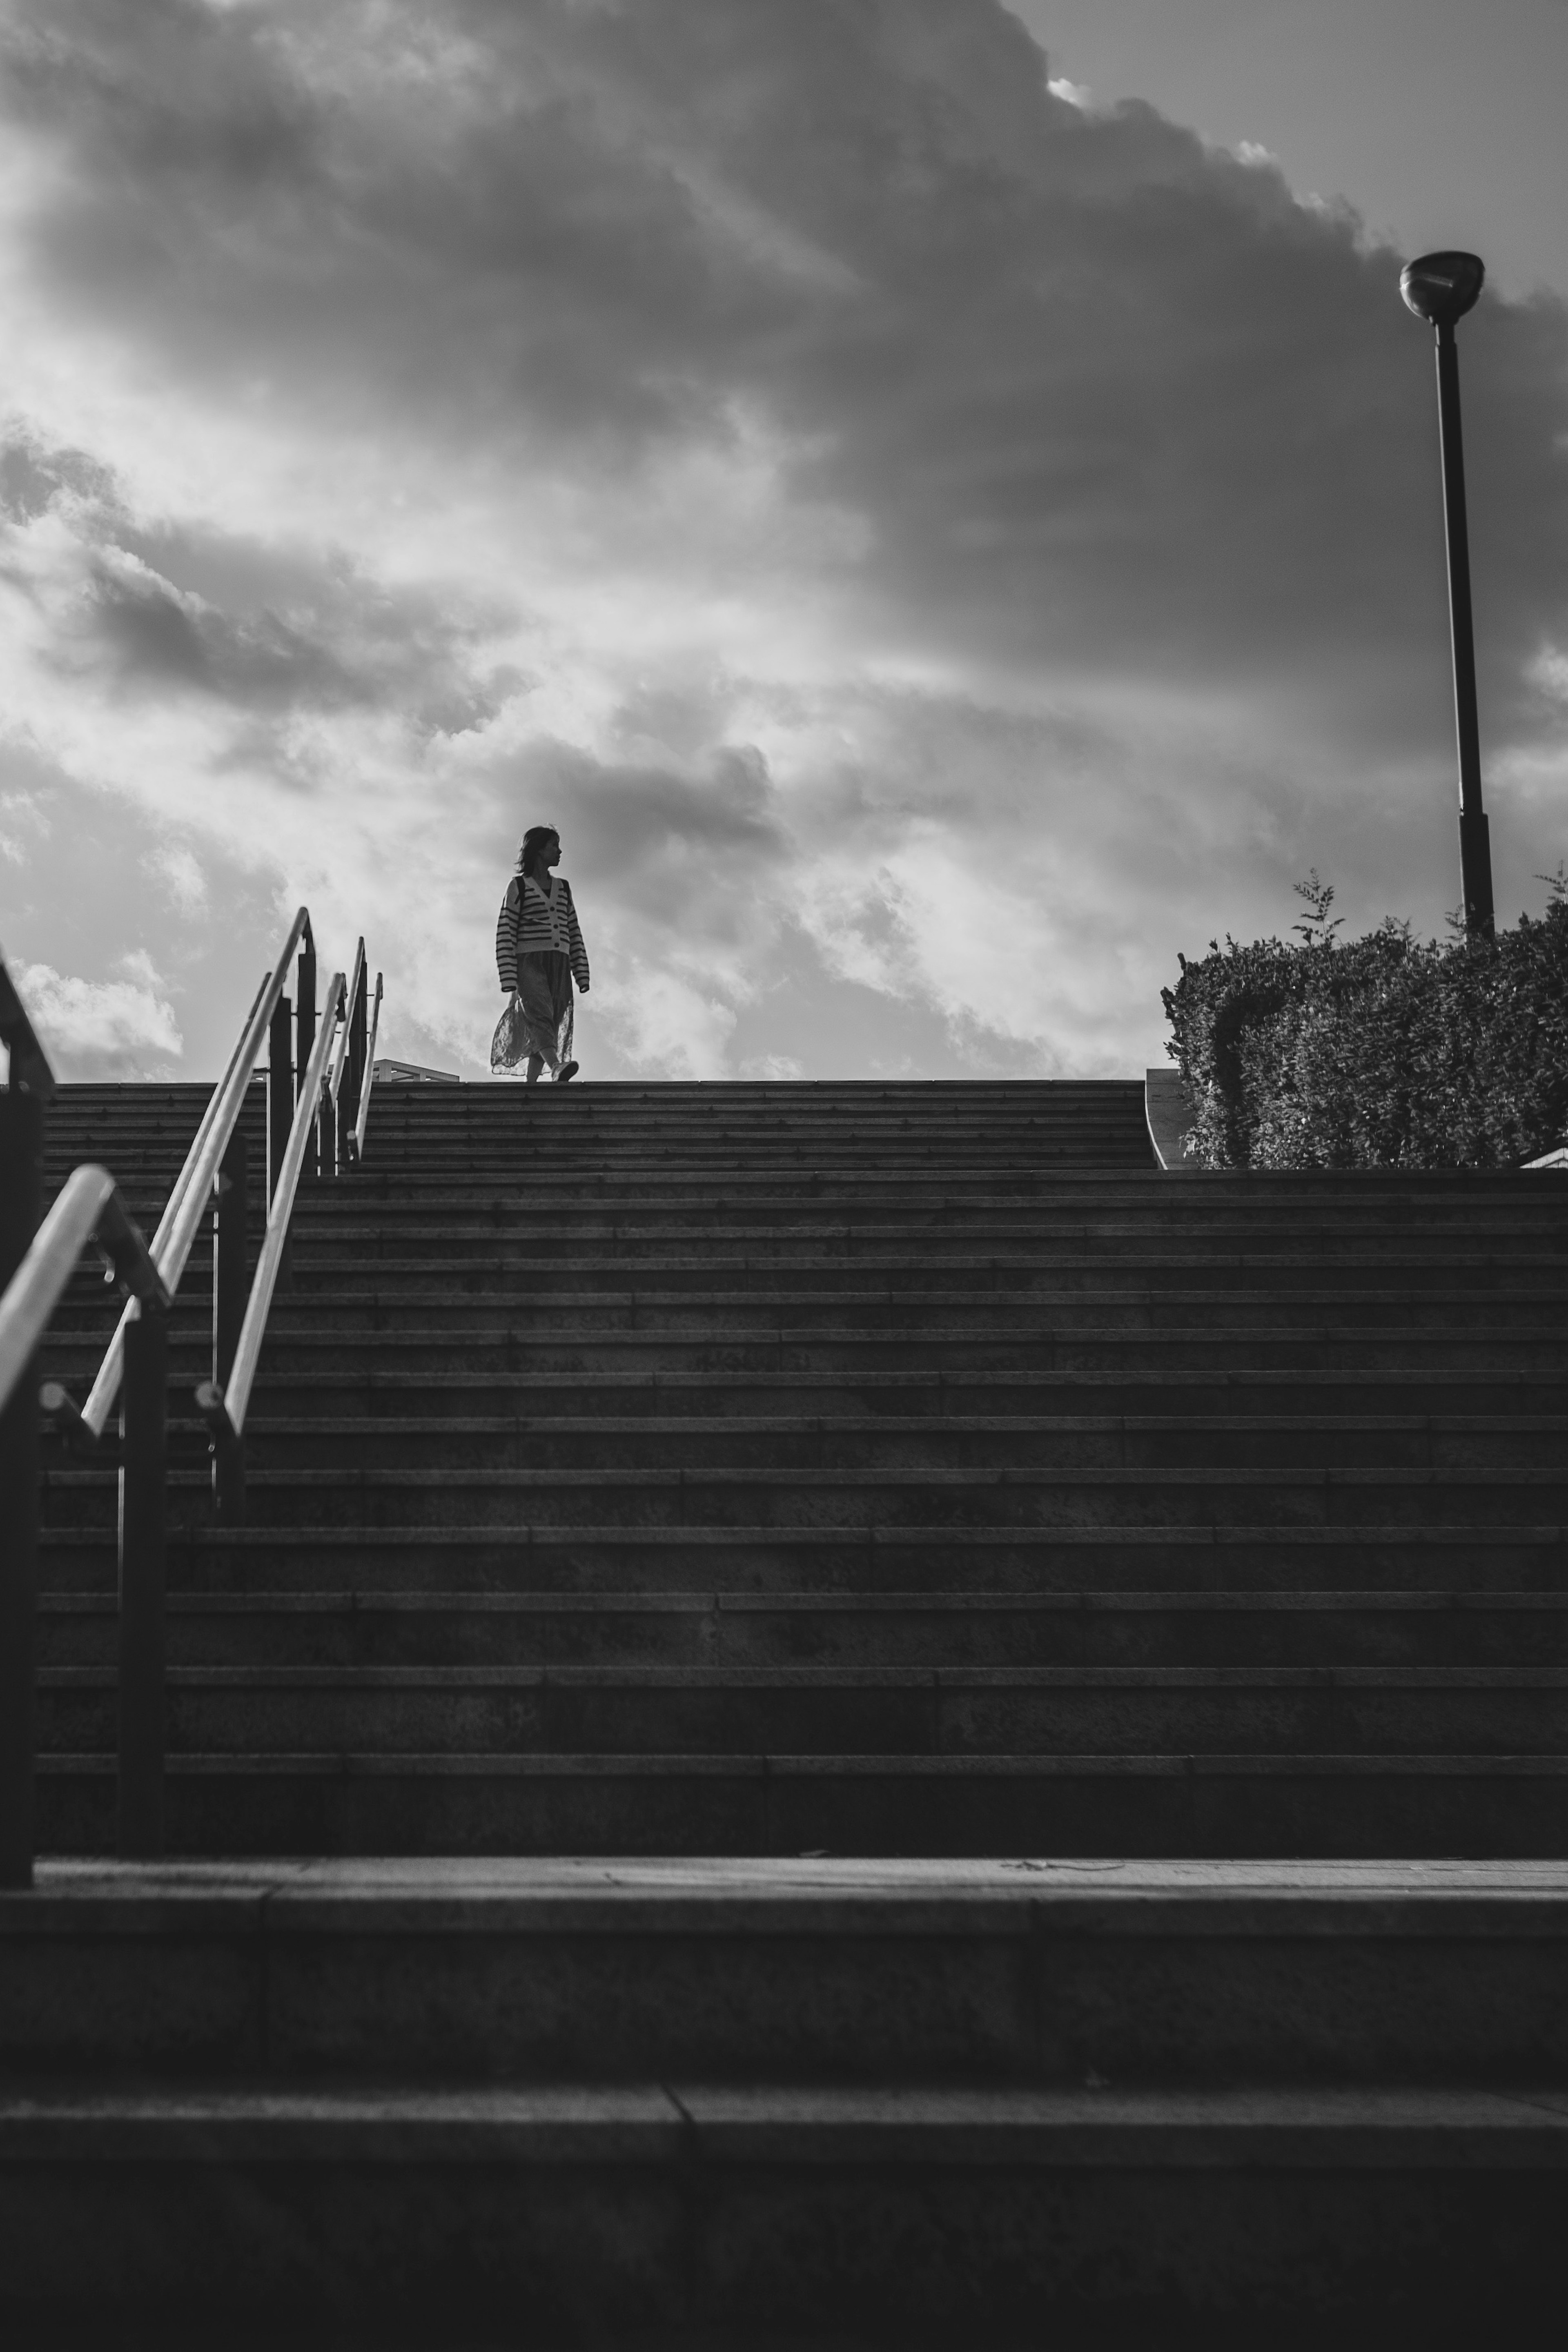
x: 567, y: 1070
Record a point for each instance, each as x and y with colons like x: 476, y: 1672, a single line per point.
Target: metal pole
x: 142, y: 1576
x: 327, y: 1128
x: 229, y: 1222
x: 358, y: 1029
x: 279, y: 1091
x: 21, y: 1199
x: 280, y: 1110
x: 1441, y: 287
x: 306, y: 1024
x: 1475, y: 846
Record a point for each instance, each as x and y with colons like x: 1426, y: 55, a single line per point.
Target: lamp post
x: 1440, y: 287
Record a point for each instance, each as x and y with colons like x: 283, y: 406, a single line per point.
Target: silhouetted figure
x: 538, y: 953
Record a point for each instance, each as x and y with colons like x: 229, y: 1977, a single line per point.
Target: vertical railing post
x: 279, y: 1111
x: 279, y: 1091
x: 359, y: 1014
x: 327, y: 1128
x: 21, y: 1197
x: 142, y: 1571
x: 306, y: 1025
x: 230, y: 1218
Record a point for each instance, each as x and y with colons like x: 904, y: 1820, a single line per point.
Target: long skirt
x: 539, y: 1018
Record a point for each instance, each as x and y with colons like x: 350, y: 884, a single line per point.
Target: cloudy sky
x: 936, y: 500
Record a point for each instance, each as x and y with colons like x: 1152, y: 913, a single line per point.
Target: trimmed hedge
x: 1385, y: 1053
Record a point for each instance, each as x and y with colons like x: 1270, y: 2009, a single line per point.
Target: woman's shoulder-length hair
x: 533, y: 839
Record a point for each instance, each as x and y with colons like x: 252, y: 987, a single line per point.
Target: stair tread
x: 413, y: 1764
x: 452, y: 1890
x: 1225, y: 1600
x: 835, y: 1677
x: 657, y: 2123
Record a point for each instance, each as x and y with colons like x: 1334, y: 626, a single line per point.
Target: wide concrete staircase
x: 1009, y: 1597
x: 746, y: 1470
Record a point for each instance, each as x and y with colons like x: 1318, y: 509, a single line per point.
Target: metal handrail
x: 356, y: 1141
x: 41, y: 1256
x: 341, y: 1055
x: 224, y: 1409
x: 191, y: 1195
x: 88, y: 1208
x: 334, y: 1143
x: 203, y: 1128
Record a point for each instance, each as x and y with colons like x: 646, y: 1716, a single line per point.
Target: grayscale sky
x: 937, y: 501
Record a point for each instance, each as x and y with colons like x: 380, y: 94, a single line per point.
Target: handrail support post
x: 359, y: 1023
x: 143, y: 1567
x: 327, y: 1126
x: 228, y: 1478
x: 230, y: 1221
x: 306, y: 1022
x: 279, y: 1108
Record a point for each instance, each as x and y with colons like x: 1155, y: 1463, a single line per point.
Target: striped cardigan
x: 528, y: 925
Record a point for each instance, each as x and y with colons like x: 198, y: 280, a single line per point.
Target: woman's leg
x: 535, y: 1064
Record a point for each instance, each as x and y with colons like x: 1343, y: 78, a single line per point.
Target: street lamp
x: 1440, y: 287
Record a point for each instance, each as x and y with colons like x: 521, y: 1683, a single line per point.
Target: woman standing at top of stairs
x: 538, y: 953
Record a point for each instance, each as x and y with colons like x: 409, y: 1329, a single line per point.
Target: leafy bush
x: 1384, y: 1053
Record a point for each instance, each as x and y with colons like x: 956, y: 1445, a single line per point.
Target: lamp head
x: 1441, y: 287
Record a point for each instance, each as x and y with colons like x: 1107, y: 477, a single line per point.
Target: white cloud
x: 22, y: 823
x: 175, y: 866
x: 1071, y: 93
x: 102, y: 1028
x: 666, y: 1022
x: 960, y: 551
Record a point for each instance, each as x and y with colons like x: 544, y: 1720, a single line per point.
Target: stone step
x: 1315, y: 1805
x: 644, y: 1711
x: 1002, y: 1180
x: 794, y: 1451
x: 353, y: 1215
x: 523, y: 1556
x: 1055, y: 1498
x: 531, y: 1354
x: 632, y: 1328
x: 826, y: 2209
x: 1019, y: 1187
x: 294, y: 1386
x: 801, y: 1444
x: 782, y: 1259
x: 375, y: 1626
x: 1013, y: 1970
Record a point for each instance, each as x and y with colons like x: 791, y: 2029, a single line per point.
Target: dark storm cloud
x: 1103, y: 396
x: 268, y: 629
x: 679, y: 848
x: 1093, y: 479
x: 1105, y: 399
x: 461, y: 227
